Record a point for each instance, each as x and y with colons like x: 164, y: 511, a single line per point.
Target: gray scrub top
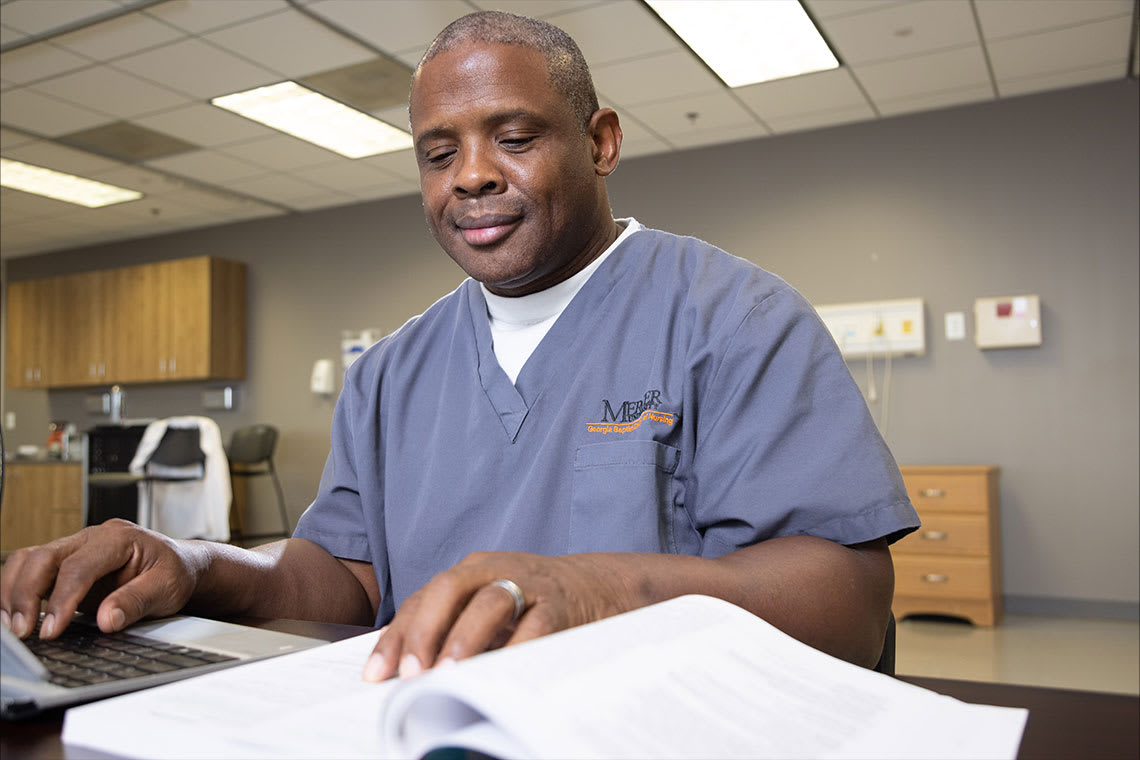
x: 686, y: 401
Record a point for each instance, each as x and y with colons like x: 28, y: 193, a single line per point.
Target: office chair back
x: 179, y: 447
x: 251, y: 449
x: 253, y: 445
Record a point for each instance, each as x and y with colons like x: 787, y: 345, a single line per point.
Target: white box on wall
x: 877, y: 328
x: 1007, y: 321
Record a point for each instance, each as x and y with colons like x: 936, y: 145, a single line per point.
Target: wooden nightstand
x: 952, y: 564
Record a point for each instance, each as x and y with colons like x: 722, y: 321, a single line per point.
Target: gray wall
x: 1029, y: 195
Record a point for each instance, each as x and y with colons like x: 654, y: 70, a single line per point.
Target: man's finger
x: 489, y: 613
x: 77, y: 573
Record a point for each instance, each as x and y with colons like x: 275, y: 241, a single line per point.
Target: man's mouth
x: 486, y: 229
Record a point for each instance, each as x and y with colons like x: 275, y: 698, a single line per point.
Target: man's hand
x: 117, y: 569
x: 832, y: 597
x: 460, y: 613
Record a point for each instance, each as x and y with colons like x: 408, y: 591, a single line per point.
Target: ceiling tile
x: 208, y: 167
x: 933, y: 100
x: 9, y: 35
x: 10, y: 138
x: 822, y: 9
x: 280, y: 152
x: 534, y: 8
x: 671, y: 119
x: 59, y: 157
x: 291, y: 44
x: 948, y: 70
x: 279, y: 188
x: 647, y: 145
x: 829, y: 118
x: 326, y: 199
x: 718, y: 136
x: 395, y: 190
x: 1060, y: 80
x: 821, y: 91
x: 617, y: 31
x: 39, y: 61
x: 118, y: 37
x: 197, y: 68
x: 150, y: 183
x: 39, y: 16
x: 1001, y: 18
x: 19, y: 206
x: 902, y: 30
x: 1092, y: 44
x: 401, y: 164
x: 658, y: 77
x: 396, y: 25
x: 26, y: 109
x: 199, y: 17
x: 346, y: 175
x: 205, y: 125
x: 110, y: 91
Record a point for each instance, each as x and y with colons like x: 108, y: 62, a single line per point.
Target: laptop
x: 85, y: 664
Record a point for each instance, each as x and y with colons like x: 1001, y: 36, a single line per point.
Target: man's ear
x: 605, y: 132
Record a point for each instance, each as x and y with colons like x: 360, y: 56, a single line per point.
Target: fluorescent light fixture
x: 298, y: 111
x: 62, y: 187
x: 749, y: 41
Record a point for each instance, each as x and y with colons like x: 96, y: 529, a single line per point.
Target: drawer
x: 944, y: 577
x: 947, y: 534
x: 946, y: 492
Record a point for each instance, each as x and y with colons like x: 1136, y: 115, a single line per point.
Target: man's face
x: 510, y: 186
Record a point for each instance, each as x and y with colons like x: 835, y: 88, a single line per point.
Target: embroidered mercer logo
x: 628, y: 415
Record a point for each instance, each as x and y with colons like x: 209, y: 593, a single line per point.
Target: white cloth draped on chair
x: 198, y: 508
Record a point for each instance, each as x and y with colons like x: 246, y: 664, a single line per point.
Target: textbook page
x: 692, y: 677
x: 305, y: 705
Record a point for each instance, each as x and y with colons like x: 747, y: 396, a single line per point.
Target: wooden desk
x: 1062, y: 723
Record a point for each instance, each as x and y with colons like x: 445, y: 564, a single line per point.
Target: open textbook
x: 693, y: 677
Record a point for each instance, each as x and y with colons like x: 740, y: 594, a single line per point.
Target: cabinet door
x: 135, y: 332
x: 42, y: 502
x: 81, y: 331
x: 184, y: 318
x: 34, y: 318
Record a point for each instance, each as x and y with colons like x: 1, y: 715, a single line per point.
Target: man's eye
x: 516, y: 142
x: 439, y: 157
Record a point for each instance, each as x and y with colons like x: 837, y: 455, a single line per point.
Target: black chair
x: 886, y: 663
x: 251, y: 450
x: 177, y: 458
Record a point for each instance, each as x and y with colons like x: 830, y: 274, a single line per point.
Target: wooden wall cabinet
x: 42, y: 502
x: 952, y: 564
x: 172, y: 320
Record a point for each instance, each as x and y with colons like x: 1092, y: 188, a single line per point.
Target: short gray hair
x: 565, y: 64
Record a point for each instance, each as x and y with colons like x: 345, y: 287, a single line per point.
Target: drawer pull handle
x: 934, y: 535
x: 932, y: 493
x: 935, y: 578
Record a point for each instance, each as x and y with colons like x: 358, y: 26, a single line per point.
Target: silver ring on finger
x: 516, y: 593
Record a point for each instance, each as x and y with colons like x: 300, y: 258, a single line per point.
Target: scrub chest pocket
x: 622, y: 497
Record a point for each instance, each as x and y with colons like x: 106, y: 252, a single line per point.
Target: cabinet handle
x: 932, y: 493
x: 102, y: 370
x: 935, y: 578
x: 37, y: 374
x: 162, y: 366
x: 934, y: 535
x: 91, y: 371
x: 173, y: 365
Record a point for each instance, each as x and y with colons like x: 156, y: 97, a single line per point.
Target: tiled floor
x: 1096, y: 655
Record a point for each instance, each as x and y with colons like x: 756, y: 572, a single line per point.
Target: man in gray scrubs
x: 602, y: 417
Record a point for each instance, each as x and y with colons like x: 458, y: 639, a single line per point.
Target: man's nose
x: 477, y: 174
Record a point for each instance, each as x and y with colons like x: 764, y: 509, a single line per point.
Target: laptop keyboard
x: 85, y: 655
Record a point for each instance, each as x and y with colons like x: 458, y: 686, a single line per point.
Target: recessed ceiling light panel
x: 749, y: 41
x: 300, y: 112
x: 62, y: 187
